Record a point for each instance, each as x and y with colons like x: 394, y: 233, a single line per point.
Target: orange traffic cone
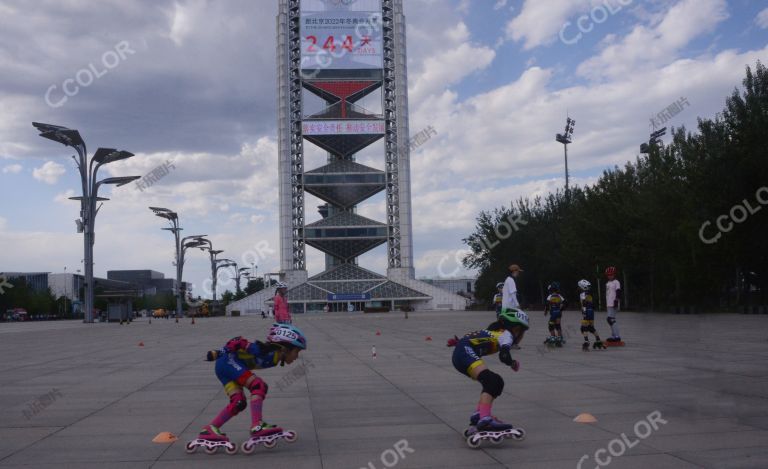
x: 164, y: 437
x: 428, y: 338
x: 585, y: 418
x: 141, y: 344
x: 378, y: 332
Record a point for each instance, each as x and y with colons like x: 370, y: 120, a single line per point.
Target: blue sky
x: 195, y: 84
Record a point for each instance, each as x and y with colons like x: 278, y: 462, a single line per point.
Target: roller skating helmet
x: 500, y: 285
x: 584, y: 285
x: 287, y: 334
x: 512, y: 317
x: 610, y: 271
x: 554, y: 287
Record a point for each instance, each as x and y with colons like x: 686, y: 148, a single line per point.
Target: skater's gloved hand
x: 452, y: 341
x: 212, y: 355
x: 235, y: 344
x: 515, y: 365
x: 616, y: 303
x: 505, y: 356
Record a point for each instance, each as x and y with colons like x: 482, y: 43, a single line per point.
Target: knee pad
x: 237, y: 403
x: 558, y: 328
x: 258, y: 388
x: 584, y: 329
x: 493, y: 384
x: 552, y: 326
x: 611, y: 321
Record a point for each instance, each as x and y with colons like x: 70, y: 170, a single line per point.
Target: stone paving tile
x: 706, y: 376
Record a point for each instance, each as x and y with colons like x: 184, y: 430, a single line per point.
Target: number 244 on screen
x: 331, y: 45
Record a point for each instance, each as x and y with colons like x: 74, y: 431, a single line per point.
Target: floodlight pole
x: 565, y: 139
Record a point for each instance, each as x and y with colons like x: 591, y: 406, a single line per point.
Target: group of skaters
x: 237, y: 360
x: 556, y: 303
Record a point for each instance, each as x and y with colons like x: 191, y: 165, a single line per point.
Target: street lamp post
x: 90, y: 190
x: 238, y: 274
x: 221, y: 263
x: 565, y: 139
x: 213, y: 253
x: 181, y: 245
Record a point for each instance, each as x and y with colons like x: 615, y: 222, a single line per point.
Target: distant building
x: 151, y: 282
x: 71, y: 285
x: 461, y: 286
x: 37, y: 281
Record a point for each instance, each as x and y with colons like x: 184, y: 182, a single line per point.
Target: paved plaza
x: 88, y: 396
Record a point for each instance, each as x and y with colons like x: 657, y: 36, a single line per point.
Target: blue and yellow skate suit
x: 470, y: 348
x: 233, y: 367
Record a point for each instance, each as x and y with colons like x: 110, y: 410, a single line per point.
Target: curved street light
x: 180, y: 245
x: 90, y: 187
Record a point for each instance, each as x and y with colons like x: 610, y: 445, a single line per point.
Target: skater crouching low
x: 234, y: 363
x: 499, y: 337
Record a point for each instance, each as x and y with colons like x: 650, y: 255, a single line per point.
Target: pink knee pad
x: 258, y: 388
x: 237, y: 403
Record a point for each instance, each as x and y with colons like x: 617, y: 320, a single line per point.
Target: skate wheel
x: 473, y: 442
x: 191, y: 447
x: 248, y: 447
x: 467, y: 433
x: 270, y: 444
x: 290, y: 437
x: 231, y: 449
x: 213, y: 450
x: 520, y: 435
x: 496, y: 440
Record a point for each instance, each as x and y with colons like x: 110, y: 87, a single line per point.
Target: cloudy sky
x: 193, y: 81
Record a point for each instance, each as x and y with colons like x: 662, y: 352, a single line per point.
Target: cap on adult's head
x: 515, y: 268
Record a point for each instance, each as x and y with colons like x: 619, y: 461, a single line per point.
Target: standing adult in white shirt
x: 509, y: 292
x: 612, y: 292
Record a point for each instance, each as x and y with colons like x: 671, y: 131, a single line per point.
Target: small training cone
x: 585, y: 418
x: 428, y: 338
x: 141, y: 344
x: 378, y: 332
x: 164, y: 437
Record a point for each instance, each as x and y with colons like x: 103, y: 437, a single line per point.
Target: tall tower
x: 344, y: 51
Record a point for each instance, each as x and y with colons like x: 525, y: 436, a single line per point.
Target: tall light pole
x: 90, y: 190
x: 238, y: 274
x: 181, y: 245
x: 213, y: 253
x: 565, y: 139
x: 221, y: 263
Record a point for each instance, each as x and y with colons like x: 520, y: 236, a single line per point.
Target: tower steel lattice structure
x: 344, y: 52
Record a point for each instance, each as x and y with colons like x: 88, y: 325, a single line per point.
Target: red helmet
x: 610, y: 271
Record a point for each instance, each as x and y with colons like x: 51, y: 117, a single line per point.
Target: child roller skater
x: 497, y: 337
x: 234, y: 363
x: 554, y: 307
x: 612, y: 295
x: 498, y: 297
x: 588, y: 317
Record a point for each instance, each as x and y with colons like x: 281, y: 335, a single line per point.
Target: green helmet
x: 512, y: 317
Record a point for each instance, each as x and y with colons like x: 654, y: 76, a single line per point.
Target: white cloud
x: 683, y: 22
x: 12, y: 169
x: 762, y: 19
x: 49, y: 173
x: 540, y: 21
x: 499, y: 4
